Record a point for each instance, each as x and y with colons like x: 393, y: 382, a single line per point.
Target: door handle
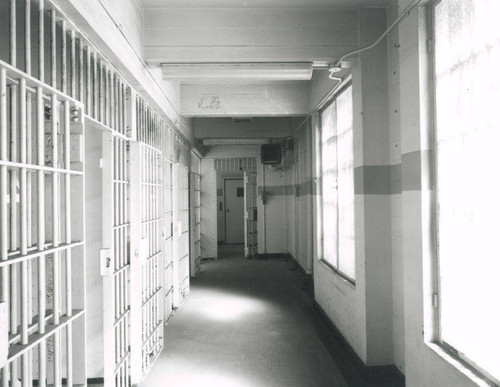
x: 227, y: 211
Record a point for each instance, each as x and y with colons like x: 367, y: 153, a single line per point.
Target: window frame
x: 341, y: 88
x: 435, y: 341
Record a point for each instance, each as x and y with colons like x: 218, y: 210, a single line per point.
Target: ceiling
x: 262, y: 3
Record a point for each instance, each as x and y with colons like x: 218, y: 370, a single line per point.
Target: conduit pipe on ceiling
x: 338, y: 65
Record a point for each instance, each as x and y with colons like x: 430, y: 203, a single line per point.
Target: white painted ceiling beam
x: 257, y: 128
x: 193, y: 35
x: 245, y: 100
x: 234, y: 141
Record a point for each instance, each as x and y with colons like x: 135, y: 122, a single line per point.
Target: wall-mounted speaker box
x: 270, y: 154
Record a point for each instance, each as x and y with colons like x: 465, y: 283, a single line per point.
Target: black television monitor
x: 270, y: 154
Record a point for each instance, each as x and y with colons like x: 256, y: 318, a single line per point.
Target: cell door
x: 115, y: 260
x: 234, y: 211
x: 183, y: 229
x: 42, y: 218
x: 195, y: 206
x: 250, y: 203
x: 168, y: 236
x: 151, y: 254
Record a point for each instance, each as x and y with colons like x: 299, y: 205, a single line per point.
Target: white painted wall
x: 208, y: 199
x: 271, y: 227
x: 298, y: 209
x: 398, y: 306
x: 363, y: 312
x: 128, y: 15
x: 400, y: 218
x: 290, y: 216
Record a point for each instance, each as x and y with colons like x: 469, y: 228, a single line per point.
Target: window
x: 338, y: 184
x: 467, y: 91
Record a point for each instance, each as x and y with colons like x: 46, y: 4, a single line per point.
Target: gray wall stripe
x: 373, y: 180
x: 304, y: 189
x: 378, y: 179
x: 271, y: 190
x: 396, y: 183
x: 412, y: 164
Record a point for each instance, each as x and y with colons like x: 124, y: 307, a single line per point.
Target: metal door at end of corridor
x: 234, y: 211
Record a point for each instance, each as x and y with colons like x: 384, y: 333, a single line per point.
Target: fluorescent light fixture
x: 234, y: 141
x: 238, y: 71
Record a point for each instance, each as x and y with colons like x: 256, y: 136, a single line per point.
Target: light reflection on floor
x: 245, y: 324
x: 214, y: 306
x: 225, y: 307
x: 205, y: 379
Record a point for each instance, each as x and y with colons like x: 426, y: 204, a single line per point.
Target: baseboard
x: 95, y: 381
x: 308, y: 281
x: 370, y: 375
x: 297, y: 264
x: 90, y: 382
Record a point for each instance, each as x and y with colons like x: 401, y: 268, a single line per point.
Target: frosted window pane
x: 345, y: 183
x: 468, y: 159
x: 338, y: 184
x: 329, y: 174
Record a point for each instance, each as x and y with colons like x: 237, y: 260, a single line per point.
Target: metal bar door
x: 148, y: 266
x: 195, y: 215
x: 168, y: 237
x: 176, y: 293
x: 183, y: 226
x: 115, y: 260
x: 42, y: 257
x: 250, y: 198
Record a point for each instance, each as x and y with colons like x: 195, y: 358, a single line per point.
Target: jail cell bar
x: 151, y: 260
x: 168, y: 237
x: 195, y: 214
x: 115, y: 260
x: 43, y: 43
x: 41, y: 232
x: 183, y: 227
x: 250, y: 203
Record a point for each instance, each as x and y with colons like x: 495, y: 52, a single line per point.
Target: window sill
x: 467, y: 370
x: 351, y: 283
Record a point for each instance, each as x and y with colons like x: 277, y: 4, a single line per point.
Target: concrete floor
x: 245, y: 324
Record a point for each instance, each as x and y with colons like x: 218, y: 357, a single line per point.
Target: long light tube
x: 250, y: 71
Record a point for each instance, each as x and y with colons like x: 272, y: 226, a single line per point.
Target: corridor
x: 147, y: 147
x: 249, y: 323
x: 246, y: 323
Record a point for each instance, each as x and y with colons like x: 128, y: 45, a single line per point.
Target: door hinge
x: 435, y: 300
x: 107, y: 268
x: 430, y: 45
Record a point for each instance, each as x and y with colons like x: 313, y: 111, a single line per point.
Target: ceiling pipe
x: 337, y: 67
